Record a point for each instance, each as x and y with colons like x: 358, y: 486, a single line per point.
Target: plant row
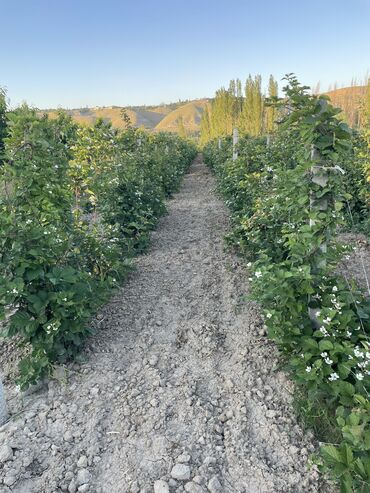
x: 289, y: 197
x: 75, y: 204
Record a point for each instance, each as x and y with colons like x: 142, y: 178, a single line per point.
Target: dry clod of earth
x: 178, y: 391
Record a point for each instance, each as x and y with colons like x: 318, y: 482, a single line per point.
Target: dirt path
x: 179, y: 390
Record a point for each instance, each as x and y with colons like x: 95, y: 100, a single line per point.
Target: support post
x: 319, y: 176
x: 219, y: 144
x: 235, y: 143
x: 268, y: 140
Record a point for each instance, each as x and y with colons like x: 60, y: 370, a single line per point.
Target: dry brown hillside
x: 188, y: 115
x: 349, y: 99
x: 163, y: 117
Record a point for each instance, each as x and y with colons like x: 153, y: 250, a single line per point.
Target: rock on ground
x: 177, y: 378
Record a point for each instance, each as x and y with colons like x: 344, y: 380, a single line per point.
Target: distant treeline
x: 241, y: 107
x: 245, y: 107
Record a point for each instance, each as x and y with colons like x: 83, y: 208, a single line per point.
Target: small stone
x: 193, y: 488
x: 209, y: 460
x: 159, y: 323
x: 9, y: 480
x: 6, y: 453
x: 198, y: 479
x: 82, y: 462
x: 183, y: 458
x: 83, y: 477
x: 270, y: 414
x: 181, y: 472
x: 68, y: 437
x: 94, y: 391
x: 84, y: 488
x: 153, y: 360
x: 214, y: 485
x: 161, y: 486
x: 72, y: 488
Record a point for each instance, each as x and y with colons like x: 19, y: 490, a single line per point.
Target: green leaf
x: 325, y: 345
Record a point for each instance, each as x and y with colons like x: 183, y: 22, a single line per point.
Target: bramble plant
x: 285, y: 222
x: 76, y: 203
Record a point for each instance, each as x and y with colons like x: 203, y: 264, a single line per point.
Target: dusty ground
x: 179, y: 391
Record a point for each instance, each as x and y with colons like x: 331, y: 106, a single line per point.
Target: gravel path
x: 179, y: 390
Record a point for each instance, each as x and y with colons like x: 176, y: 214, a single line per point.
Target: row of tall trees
x: 240, y: 107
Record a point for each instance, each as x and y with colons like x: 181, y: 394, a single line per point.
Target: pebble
x: 183, y: 458
x: 193, y: 488
x: 153, y: 360
x: 181, y: 472
x: 68, y: 437
x: 9, y: 480
x: 82, y: 462
x: 84, y: 488
x: 83, y: 477
x: 6, y: 453
x: 214, y: 485
x: 161, y: 486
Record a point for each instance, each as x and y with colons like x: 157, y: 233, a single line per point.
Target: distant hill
x: 189, y: 115
x: 349, y: 99
x: 168, y: 117
x: 158, y: 118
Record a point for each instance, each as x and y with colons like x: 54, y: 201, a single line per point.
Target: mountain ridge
x: 187, y: 114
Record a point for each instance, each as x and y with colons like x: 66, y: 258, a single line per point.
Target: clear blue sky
x: 75, y: 53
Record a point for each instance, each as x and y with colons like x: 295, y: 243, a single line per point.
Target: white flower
x: 334, y: 376
x: 327, y: 320
x: 249, y: 264
x: 268, y: 315
x: 335, y: 289
x: 362, y: 364
x: 64, y: 299
x: 308, y: 369
x: 324, y: 355
x: 14, y: 291
x: 328, y: 361
x: 358, y: 353
x: 349, y: 334
x: 258, y: 273
x: 359, y: 376
x: 324, y: 331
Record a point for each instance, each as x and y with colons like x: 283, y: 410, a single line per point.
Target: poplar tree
x: 205, y: 126
x: 181, y: 130
x: 251, y: 117
x: 222, y: 114
x: 271, y: 111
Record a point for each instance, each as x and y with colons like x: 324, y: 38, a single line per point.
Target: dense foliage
x: 75, y: 204
x: 234, y: 107
x: 285, y: 220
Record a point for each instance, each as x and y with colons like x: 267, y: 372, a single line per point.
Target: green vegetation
x: 288, y: 200
x: 76, y: 204
x: 230, y: 108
